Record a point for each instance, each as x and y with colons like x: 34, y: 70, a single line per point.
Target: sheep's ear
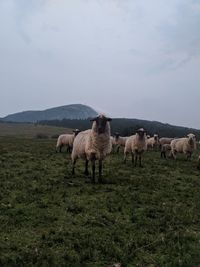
x: 109, y: 119
x: 93, y: 119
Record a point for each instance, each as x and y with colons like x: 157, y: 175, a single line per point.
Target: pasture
x: 138, y: 217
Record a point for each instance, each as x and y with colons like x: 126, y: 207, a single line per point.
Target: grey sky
x: 130, y: 58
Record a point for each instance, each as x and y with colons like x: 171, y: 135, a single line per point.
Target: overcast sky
x: 127, y: 58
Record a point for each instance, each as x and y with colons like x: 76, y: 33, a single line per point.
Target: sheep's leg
x: 93, y: 170
x: 60, y: 148
x: 125, y: 156
x: 86, y: 167
x: 136, y: 158
x: 118, y: 147
x: 73, y: 166
x: 100, y: 171
x: 189, y: 155
x: 174, y: 154
x: 163, y: 154
x: 140, y: 161
x: 132, y: 156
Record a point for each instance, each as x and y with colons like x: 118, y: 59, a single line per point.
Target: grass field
x: 138, y: 217
x: 30, y: 130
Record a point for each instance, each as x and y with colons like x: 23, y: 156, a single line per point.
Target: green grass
x: 138, y: 217
x: 30, y: 130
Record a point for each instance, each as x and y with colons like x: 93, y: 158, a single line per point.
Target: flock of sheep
x: 97, y: 142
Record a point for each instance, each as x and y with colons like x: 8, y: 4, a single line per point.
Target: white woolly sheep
x: 93, y: 144
x: 153, y: 142
x: 66, y: 140
x: 184, y: 145
x: 166, y: 148
x: 120, y: 141
x: 136, y: 144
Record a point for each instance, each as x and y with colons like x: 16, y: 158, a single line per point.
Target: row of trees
x: 127, y: 127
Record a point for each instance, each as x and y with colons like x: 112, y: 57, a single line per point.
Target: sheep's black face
x: 101, y: 122
x: 156, y: 138
x: 117, y: 136
x: 141, y: 133
x: 76, y: 132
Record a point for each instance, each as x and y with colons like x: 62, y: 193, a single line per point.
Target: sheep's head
x: 141, y: 132
x: 191, y: 139
x: 116, y: 135
x: 76, y: 132
x: 101, y: 123
x: 155, y: 137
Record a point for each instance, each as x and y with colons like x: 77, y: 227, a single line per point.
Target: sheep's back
x: 128, y: 145
x: 79, y: 146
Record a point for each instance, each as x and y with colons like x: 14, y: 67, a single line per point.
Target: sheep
x: 165, y: 140
x: 152, y: 142
x: 66, y: 140
x: 165, y: 148
x: 93, y: 144
x: 119, y: 141
x: 184, y: 145
x: 136, y: 145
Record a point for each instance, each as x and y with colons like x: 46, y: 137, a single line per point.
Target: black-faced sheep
x: 93, y: 144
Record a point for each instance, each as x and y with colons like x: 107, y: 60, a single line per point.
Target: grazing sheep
x: 164, y: 149
x: 184, y: 145
x: 136, y: 144
x: 153, y: 142
x: 120, y: 141
x: 66, y: 140
x: 93, y: 144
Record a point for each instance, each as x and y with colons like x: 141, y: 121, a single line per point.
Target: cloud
x: 24, y: 11
x: 181, y: 34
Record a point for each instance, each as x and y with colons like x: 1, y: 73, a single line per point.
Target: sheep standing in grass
x: 136, y: 144
x: 66, y: 140
x: 93, y: 144
x: 184, y: 145
x: 166, y: 148
x: 120, y: 141
x: 153, y: 142
x: 165, y: 140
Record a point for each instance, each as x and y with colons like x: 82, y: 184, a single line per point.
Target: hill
x: 75, y: 111
x: 128, y: 126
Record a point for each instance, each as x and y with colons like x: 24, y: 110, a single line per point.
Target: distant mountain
x: 75, y: 111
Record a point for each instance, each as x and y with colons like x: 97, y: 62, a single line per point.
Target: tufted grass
x: 138, y: 217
